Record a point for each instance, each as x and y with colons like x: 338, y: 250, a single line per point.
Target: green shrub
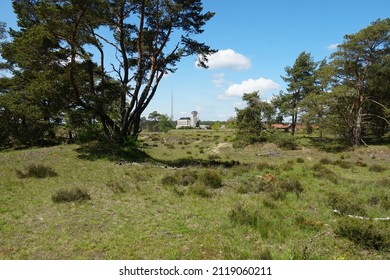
x: 187, y: 180
x: 264, y: 166
x: 325, y: 161
x: 323, y: 172
x: 343, y: 164
x: 251, y: 216
x: 291, y: 185
x: 200, y: 190
x: 70, y: 195
x: 255, y: 184
x: 169, y: 180
x: 347, y: 204
x: 286, y: 141
x: 367, y: 234
x: 377, y: 168
x: 116, y: 187
x: 211, y: 178
x: 36, y: 171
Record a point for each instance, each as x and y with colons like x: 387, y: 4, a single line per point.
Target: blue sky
x: 256, y: 40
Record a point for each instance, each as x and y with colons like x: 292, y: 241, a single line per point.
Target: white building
x: 188, y: 121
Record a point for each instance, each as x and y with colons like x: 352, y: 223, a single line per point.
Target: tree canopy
x: 105, y: 58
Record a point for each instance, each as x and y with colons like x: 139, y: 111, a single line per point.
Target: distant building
x: 188, y: 121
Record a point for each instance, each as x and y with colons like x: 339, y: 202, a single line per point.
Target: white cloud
x: 262, y: 85
x: 219, y: 80
x: 228, y: 59
x: 332, y: 47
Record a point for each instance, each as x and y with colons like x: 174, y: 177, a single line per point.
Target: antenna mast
x: 172, y: 105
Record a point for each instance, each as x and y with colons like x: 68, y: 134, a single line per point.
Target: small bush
x: 187, y: 180
x: 264, y: 166
x: 377, y: 168
x: 247, y: 215
x: 360, y: 164
x: 323, y: 172
x: 36, y: 171
x: 325, y: 161
x: 212, y: 179
x: 343, y: 164
x: 169, y: 180
x: 116, y: 187
x: 201, y: 191
x: 286, y: 141
x: 70, y: 195
x: 291, y: 185
x: 367, y: 234
x: 346, y: 204
x: 304, y: 222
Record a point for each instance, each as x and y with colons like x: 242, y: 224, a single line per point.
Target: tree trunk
x: 357, y: 131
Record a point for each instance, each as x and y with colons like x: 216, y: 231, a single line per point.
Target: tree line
x: 91, y: 62
x: 95, y: 65
x: 347, y: 94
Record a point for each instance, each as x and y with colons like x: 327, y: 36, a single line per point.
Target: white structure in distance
x: 188, y: 121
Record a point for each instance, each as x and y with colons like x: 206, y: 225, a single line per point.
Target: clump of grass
x: 169, y: 180
x: 211, y: 178
x: 115, y: 187
x: 377, y: 168
x: 347, y: 204
x: 201, y: 190
x: 360, y: 164
x: 306, y: 223
x: 187, y: 180
x: 343, y: 164
x: 246, y: 215
x: 70, y: 195
x: 367, y: 234
x: 36, y: 171
x: 300, y: 160
x: 325, y: 161
x: 323, y: 172
x: 256, y: 184
x: 264, y: 166
x: 169, y: 146
x: 291, y: 185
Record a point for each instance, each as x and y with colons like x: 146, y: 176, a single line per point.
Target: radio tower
x: 171, y: 105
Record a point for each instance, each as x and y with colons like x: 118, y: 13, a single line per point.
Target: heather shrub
x: 70, y: 195
x: 368, y: 234
x: 36, y: 171
x: 211, y: 178
x: 346, y: 204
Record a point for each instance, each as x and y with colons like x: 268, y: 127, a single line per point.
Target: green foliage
x: 357, y: 100
x: 370, y: 235
x: 377, y: 168
x: 211, y: 178
x: 36, y: 171
x: 251, y: 121
x: 60, y: 59
x: 285, y: 141
x: 70, y: 195
x: 347, y: 204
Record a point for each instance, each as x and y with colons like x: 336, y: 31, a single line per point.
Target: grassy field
x: 194, y: 196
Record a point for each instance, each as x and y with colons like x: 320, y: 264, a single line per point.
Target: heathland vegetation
x: 191, y: 194
x: 84, y: 175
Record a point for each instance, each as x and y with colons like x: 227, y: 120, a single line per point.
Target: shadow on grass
x: 198, y: 162
x: 330, y: 145
x: 96, y: 150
